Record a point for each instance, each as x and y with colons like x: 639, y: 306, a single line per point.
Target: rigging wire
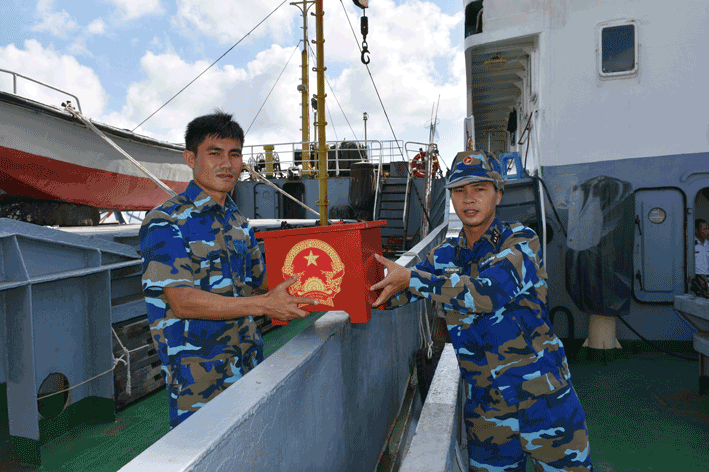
x: 396, y: 140
x: 274, y: 86
x: 386, y: 115
x: 334, y: 129
x: 312, y: 54
x: 210, y: 66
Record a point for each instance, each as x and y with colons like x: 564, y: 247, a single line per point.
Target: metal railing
x: 290, y: 156
x: 15, y: 75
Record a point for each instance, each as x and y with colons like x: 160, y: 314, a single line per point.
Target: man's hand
x: 397, y: 279
x: 281, y: 305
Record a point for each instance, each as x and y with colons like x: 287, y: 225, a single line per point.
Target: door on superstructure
x: 659, y: 250
x: 265, y: 202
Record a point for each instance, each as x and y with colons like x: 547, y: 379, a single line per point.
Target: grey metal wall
x: 55, y: 314
x: 688, y: 173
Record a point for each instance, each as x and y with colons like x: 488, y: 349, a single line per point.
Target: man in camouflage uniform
x: 200, y: 263
x: 492, y: 284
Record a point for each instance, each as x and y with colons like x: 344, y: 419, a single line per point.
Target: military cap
x: 475, y: 166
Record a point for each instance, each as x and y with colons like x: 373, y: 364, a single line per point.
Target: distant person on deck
x: 201, y: 269
x: 492, y: 283
x: 700, y: 282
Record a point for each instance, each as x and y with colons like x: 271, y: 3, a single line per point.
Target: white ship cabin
x: 582, y: 89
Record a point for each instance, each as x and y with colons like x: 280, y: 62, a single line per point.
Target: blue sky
x: 125, y: 58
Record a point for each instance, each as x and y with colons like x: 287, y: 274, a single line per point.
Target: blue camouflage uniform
x: 520, y: 400
x: 192, y: 241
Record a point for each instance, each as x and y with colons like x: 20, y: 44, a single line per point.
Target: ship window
x: 619, y: 47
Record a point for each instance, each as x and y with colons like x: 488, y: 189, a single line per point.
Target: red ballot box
x: 335, y: 264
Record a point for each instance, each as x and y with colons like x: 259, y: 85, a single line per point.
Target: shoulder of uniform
x: 168, y: 210
x: 516, y: 229
x: 444, y: 252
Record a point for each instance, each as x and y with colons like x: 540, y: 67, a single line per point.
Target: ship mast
x: 303, y: 88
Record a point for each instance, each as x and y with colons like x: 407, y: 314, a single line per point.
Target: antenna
x: 433, y: 123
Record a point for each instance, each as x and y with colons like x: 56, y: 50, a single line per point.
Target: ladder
x: 391, y: 207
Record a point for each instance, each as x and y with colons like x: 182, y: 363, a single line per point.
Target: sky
x: 124, y: 59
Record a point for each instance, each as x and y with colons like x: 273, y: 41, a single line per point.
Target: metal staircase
x: 391, y: 207
x: 400, y: 207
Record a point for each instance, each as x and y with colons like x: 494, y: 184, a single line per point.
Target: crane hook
x: 365, y: 52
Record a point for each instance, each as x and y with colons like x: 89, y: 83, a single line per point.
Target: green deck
x: 643, y: 412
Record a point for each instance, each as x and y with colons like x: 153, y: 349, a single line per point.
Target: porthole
x: 657, y: 216
x: 618, y: 48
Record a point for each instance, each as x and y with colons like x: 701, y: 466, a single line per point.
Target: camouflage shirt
x: 494, y: 296
x: 192, y: 241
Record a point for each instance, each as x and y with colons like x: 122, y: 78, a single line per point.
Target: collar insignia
x: 495, y: 238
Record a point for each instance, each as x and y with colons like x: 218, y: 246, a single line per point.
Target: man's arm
x: 167, y: 269
x: 187, y: 302
x: 514, y: 270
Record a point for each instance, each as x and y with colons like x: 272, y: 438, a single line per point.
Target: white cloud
x: 132, y: 9
x: 240, y: 91
x: 228, y: 22
x: 415, y: 58
x: 78, y: 46
x: 98, y: 26
x: 58, y: 70
x: 56, y: 23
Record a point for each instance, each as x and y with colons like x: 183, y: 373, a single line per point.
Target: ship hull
x: 45, y: 153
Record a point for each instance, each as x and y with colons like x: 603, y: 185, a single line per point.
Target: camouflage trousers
x: 550, y: 429
x: 185, y: 400
x: 196, y: 384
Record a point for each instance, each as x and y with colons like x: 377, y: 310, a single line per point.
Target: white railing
x: 15, y: 75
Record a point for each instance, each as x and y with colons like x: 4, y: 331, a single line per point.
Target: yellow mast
x: 321, y: 123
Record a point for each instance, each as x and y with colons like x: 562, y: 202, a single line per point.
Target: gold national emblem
x: 320, y: 270
x: 468, y: 160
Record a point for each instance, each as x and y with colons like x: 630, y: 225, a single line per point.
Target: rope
x: 428, y: 341
x: 126, y: 362
x: 87, y: 122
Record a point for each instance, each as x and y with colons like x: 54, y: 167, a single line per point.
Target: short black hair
x: 217, y: 124
x: 698, y: 223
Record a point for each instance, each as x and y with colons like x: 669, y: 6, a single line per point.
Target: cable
x: 274, y: 86
x: 210, y: 66
x: 654, y: 345
x: 327, y: 108
x: 386, y: 115
x: 312, y: 54
x: 553, y: 207
x: 396, y: 140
